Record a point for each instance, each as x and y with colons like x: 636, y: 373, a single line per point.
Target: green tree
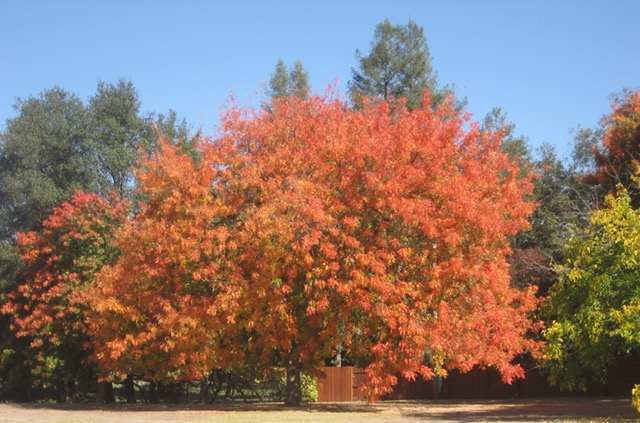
x: 299, y: 81
x: 585, y: 143
x: 565, y: 203
x: 398, y: 66
x: 292, y: 82
x: 44, y: 158
x: 516, y: 147
x: 593, y: 309
x: 117, y: 135
x: 57, y: 145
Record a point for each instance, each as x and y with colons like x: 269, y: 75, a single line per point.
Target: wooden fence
x: 487, y: 384
x: 343, y: 384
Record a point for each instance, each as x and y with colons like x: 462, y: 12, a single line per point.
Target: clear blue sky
x: 550, y: 64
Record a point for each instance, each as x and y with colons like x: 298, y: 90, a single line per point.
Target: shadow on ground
x: 570, y: 409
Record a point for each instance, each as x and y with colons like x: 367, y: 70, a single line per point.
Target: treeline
x: 380, y: 231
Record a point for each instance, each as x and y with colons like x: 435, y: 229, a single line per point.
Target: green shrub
x: 309, y: 388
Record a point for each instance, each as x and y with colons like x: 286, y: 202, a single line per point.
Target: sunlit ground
x: 547, y: 410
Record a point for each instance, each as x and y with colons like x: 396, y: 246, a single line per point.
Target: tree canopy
x: 117, y: 135
x: 44, y: 158
x: 389, y: 230
x: 283, y: 242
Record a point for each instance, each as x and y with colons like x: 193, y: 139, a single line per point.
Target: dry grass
x: 561, y: 410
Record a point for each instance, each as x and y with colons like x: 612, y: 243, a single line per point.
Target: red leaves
x: 60, y: 265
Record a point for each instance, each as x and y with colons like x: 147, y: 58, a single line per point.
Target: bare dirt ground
x: 541, y: 410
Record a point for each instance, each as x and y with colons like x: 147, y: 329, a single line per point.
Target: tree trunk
x: 204, y: 390
x: 154, y: 396
x: 109, y: 396
x: 61, y: 391
x: 129, y: 390
x: 105, y: 393
x: 293, y: 390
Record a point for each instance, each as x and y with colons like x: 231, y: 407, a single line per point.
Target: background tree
x: 564, y: 201
x: 284, y: 241
x: 593, y: 308
x: 619, y: 151
x: 44, y: 158
x: 117, y: 135
x: 57, y: 145
x: 48, y: 308
x: 398, y: 66
x: 292, y: 82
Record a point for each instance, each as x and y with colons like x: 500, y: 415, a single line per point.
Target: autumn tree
x: 157, y: 311
x: 397, y: 66
x: 593, y: 308
x: 618, y: 155
x: 283, y: 242
x: 48, y: 308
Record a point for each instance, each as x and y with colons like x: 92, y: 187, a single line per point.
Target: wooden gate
x: 340, y: 384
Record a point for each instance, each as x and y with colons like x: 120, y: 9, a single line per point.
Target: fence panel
x: 359, y: 378
x: 344, y: 384
x: 337, y: 386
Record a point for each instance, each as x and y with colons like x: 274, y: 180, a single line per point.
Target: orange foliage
x: 619, y: 156
x: 313, y: 225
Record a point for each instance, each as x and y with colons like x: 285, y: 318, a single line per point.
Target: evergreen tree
x: 279, y: 82
x: 292, y: 82
x: 564, y: 202
x: 398, y: 66
x: 299, y: 78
